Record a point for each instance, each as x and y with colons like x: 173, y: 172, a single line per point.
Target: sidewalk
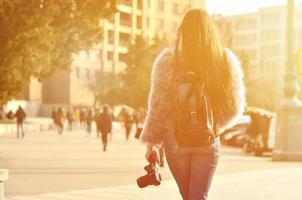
x: 281, y: 184
x: 72, y: 166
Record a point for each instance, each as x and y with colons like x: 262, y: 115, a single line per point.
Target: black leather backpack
x: 194, y: 119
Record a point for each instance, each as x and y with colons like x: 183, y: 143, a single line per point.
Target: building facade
x: 262, y: 37
x: 140, y: 17
x: 135, y: 17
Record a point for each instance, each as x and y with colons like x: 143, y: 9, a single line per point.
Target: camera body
x: 153, y: 176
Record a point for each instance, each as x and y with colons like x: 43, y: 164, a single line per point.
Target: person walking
x: 127, y: 123
x: 96, y: 118
x: 83, y: 118
x: 197, y: 91
x: 10, y: 115
x: 59, y: 119
x: 104, y: 124
x: 135, y: 118
x: 141, y: 115
x: 1, y: 112
x: 89, y: 120
x: 77, y: 118
x: 70, y: 119
x: 53, y: 116
x: 20, y: 116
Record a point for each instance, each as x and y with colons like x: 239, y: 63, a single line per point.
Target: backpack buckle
x: 194, y: 120
x: 211, y: 139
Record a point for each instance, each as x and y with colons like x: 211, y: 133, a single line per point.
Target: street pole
x: 291, y: 87
x: 288, y: 141
x: 290, y: 35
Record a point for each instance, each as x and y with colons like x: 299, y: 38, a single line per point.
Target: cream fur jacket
x: 159, y: 104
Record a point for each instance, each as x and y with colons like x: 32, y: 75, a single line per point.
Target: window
x: 140, y: 4
x: 139, y: 23
x: 110, y: 55
x: 125, y: 38
x: 246, y: 23
x: 270, y: 34
x: 149, y: 4
x: 161, y: 5
x: 111, y: 37
x: 159, y: 23
x: 270, y: 18
x: 125, y: 19
x: 122, y: 57
x: 175, y: 8
x: 126, y: 2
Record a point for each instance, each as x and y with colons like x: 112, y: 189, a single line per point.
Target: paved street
x: 47, y: 166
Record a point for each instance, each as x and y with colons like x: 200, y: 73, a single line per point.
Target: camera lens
x: 143, y: 181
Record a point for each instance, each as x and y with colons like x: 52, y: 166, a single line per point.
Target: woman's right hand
x: 149, y: 150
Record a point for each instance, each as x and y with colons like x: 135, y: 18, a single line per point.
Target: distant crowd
x: 83, y: 118
x: 88, y: 119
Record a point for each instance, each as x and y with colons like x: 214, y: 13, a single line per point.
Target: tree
x: 106, y: 88
x: 38, y: 38
x: 136, y: 77
x: 132, y: 85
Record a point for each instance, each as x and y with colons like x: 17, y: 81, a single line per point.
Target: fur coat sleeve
x: 159, y: 106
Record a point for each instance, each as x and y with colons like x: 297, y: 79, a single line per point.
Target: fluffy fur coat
x: 159, y: 104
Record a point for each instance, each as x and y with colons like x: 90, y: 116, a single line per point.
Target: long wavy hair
x: 199, y: 49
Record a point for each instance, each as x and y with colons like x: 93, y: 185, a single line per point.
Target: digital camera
x: 153, y: 176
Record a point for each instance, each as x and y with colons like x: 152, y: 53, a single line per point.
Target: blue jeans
x: 192, y: 167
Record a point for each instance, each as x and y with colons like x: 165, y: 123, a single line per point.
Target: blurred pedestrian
x: 10, y: 115
x: 104, y: 124
x: 139, y: 121
x: 96, y: 118
x: 20, y: 115
x: 70, y: 119
x: 127, y: 123
x: 1, y: 111
x: 113, y: 118
x: 83, y: 118
x: 53, y: 116
x: 135, y: 118
x: 89, y: 120
x: 59, y: 119
x: 77, y: 118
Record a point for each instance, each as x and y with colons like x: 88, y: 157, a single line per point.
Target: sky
x: 233, y: 7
